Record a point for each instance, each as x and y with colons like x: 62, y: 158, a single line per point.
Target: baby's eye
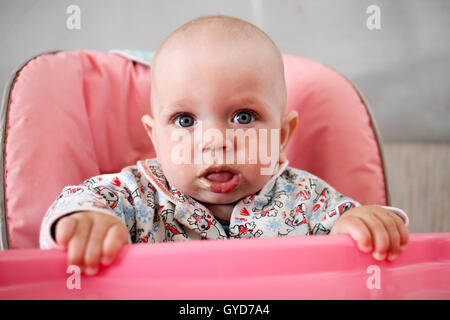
x: 184, y: 120
x: 243, y: 117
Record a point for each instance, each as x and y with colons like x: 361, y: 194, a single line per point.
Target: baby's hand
x: 91, y: 238
x: 374, y: 228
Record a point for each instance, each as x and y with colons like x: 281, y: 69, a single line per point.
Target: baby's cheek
x: 181, y: 176
x: 254, y: 177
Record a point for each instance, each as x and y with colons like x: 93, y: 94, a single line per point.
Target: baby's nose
x: 215, y: 143
x: 214, y: 140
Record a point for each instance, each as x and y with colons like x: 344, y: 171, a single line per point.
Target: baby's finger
x: 402, y: 230
x: 78, y: 242
x: 94, y: 247
x: 379, y: 235
x: 358, y: 230
x: 65, y: 229
x: 391, y: 228
x: 115, y: 238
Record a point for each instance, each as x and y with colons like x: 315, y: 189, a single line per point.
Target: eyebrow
x: 176, y: 105
x: 248, y: 101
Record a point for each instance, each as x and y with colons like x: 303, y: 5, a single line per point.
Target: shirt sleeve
x: 111, y: 194
x: 400, y: 213
x: 324, y: 205
x: 327, y: 205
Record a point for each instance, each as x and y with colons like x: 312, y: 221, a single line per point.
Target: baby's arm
x: 92, y: 220
x: 375, y: 229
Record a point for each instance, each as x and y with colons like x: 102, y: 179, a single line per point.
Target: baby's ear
x: 288, y: 125
x: 148, y: 123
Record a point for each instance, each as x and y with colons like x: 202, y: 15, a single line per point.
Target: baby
x: 214, y: 75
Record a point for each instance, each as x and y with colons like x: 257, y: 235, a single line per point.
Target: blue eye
x: 184, y: 120
x: 243, y: 117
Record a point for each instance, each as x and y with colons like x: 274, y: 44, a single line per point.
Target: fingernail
x: 392, y: 256
x: 403, y: 247
x: 106, y: 260
x: 91, y: 271
x: 379, y: 256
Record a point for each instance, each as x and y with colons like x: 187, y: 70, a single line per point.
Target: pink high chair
x: 70, y: 115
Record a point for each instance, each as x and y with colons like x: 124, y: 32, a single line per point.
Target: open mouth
x: 220, y: 179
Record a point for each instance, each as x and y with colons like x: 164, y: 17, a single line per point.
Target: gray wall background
x: 403, y: 68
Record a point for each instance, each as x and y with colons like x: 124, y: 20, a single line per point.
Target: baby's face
x: 200, y: 90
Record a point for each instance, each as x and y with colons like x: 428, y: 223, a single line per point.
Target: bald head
x: 217, y: 28
x: 223, y: 34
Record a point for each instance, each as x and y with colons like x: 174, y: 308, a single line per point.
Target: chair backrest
x: 70, y: 115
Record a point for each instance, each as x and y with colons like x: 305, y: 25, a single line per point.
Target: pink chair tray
x: 319, y: 267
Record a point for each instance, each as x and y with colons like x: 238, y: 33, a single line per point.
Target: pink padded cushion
x: 334, y: 138
x: 74, y: 115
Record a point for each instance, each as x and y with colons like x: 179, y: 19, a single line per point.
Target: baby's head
x: 215, y: 80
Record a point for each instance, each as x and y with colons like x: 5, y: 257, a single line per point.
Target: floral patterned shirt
x: 293, y: 202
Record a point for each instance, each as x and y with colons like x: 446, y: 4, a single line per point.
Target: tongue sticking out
x: 222, y: 181
x: 222, y: 176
